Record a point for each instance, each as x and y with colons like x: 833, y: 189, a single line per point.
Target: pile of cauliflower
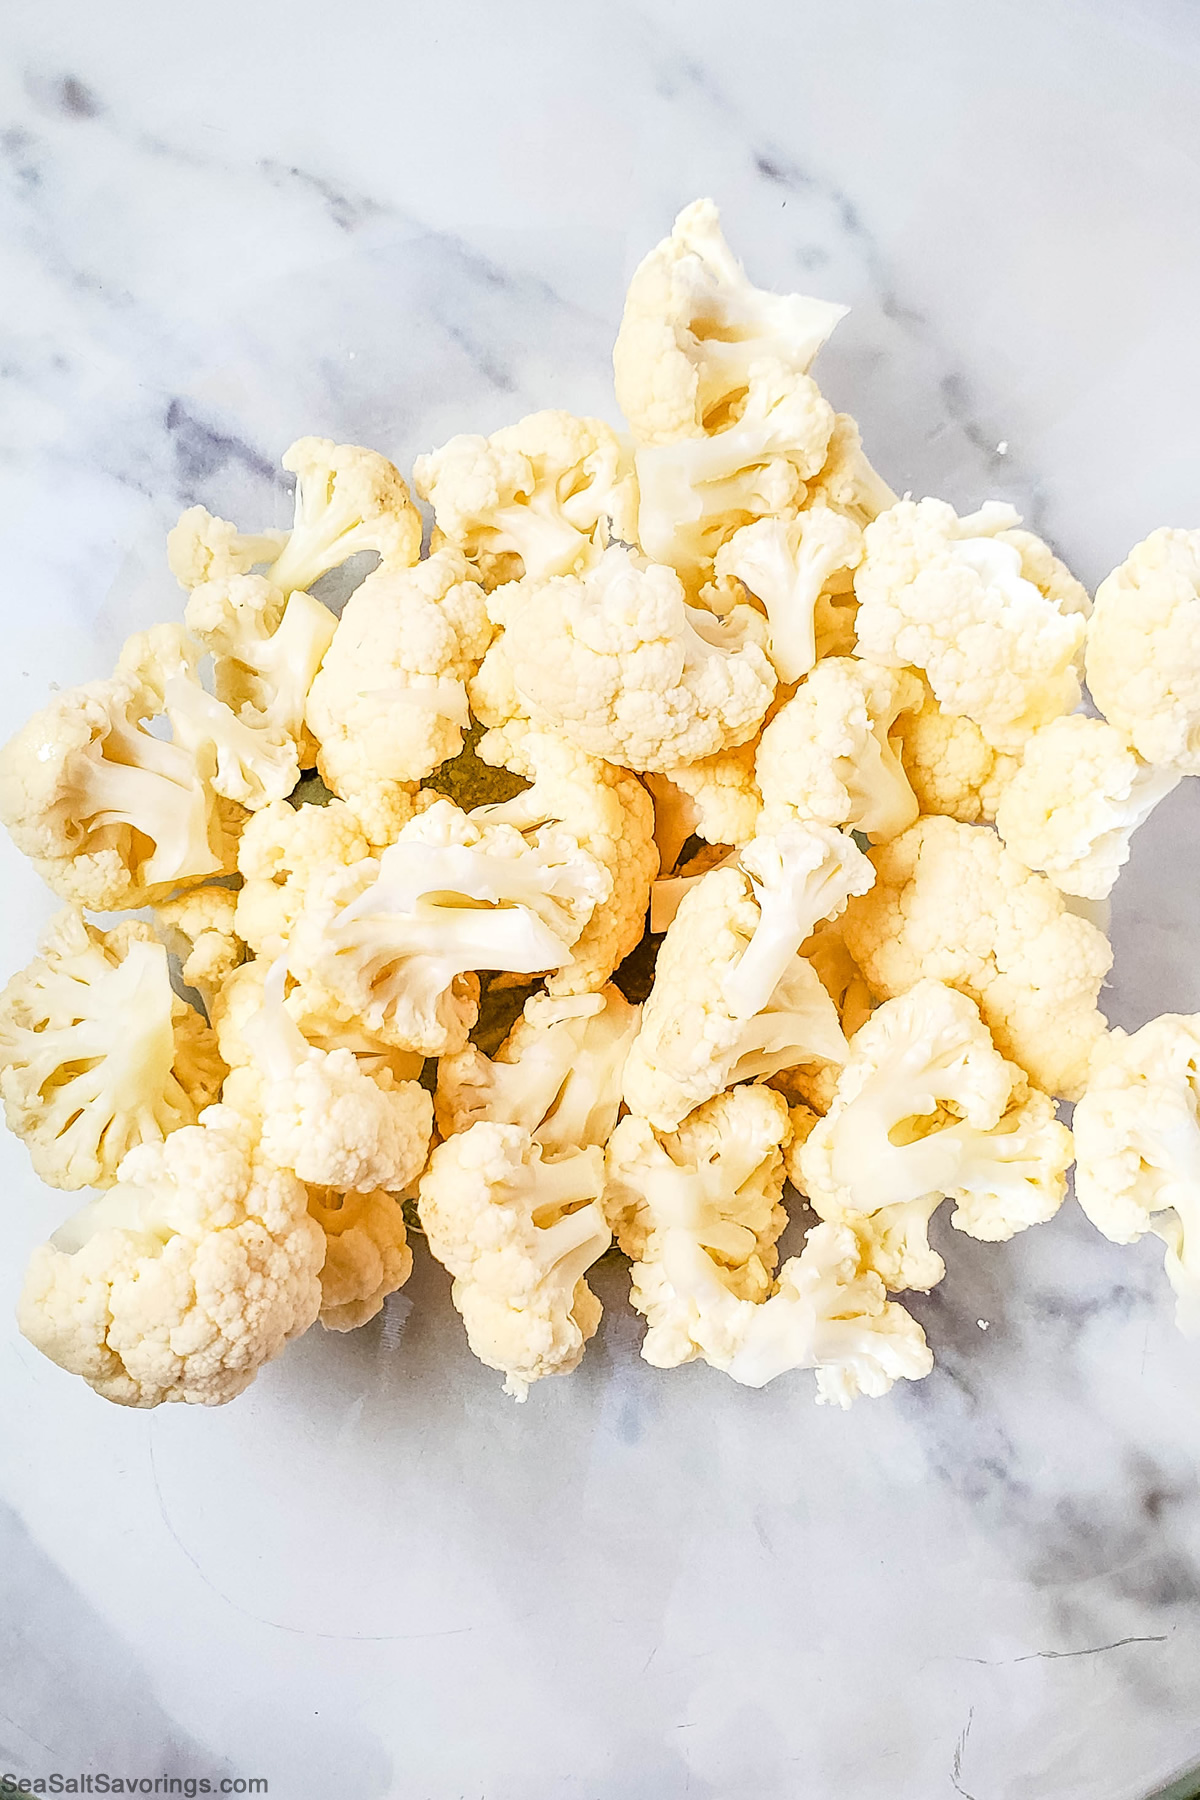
x: 691, y: 817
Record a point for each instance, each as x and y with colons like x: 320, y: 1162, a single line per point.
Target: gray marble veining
x: 373, y: 1575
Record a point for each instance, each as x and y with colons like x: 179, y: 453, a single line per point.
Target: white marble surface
x: 374, y: 1575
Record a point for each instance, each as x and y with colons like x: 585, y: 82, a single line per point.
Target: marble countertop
x: 374, y: 1575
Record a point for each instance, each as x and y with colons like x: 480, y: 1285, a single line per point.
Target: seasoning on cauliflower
x: 829, y: 754
x: 693, y: 325
x: 925, y: 1108
x: 949, y: 764
x: 321, y: 1114
x: 611, y: 816
x: 1143, y: 649
x: 694, y: 493
x: 97, y: 1054
x: 390, y: 703
x: 947, y: 595
x: 536, y: 499
x: 557, y: 1073
x: 367, y: 1255
x: 199, y: 1265
x: 692, y: 1043
x: 398, y: 939
x: 699, y: 1212
x: 788, y: 564
x: 109, y: 814
x: 619, y: 663
x: 1077, y: 798
x: 518, y: 1230
x: 950, y: 902
x: 1137, y: 1148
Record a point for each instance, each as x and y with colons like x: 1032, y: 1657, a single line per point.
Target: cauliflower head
x: 951, y: 902
x: 619, y: 663
x: 950, y: 766
x: 1137, y: 1148
x: 367, y: 1254
x: 536, y: 499
x: 949, y: 596
x: 789, y: 565
x: 1077, y: 798
x: 1143, y: 649
x: 179, y: 1282
x: 830, y: 754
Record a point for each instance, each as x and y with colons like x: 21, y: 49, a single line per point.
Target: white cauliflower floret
x: 726, y: 806
x: 693, y: 325
x: 367, y: 1255
x: 537, y: 498
x: 200, y: 928
x: 557, y: 1074
x: 799, y: 876
x: 1137, y: 1148
x: 699, y: 1212
x: 109, y: 814
x: 611, y: 816
x: 829, y: 753
x: 397, y: 939
x: 694, y: 493
x: 788, y: 564
x: 180, y: 1281
x: 97, y: 1054
x: 692, y: 1043
x: 1077, y: 798
x: 285, y: 852
x: 390, y: 702
x: 1143, y: 649
x: 245, y: 757
x: 317, y: 1014
x: 518, y: 1231
x: 925, y: 1108
x: 848, y: 483
x: 949, y: 764
x: 324, y: 1116
x: 950, y: 902
x: 947, y: 595
x: 620, y: 664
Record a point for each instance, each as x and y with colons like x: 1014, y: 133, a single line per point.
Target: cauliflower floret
x: 815, y: 1084
x: 693, y: 1043
x: 926, y: 1107
x: 699, y: 1211
x: 180, y: 1281
x: 950, y: 766
x: 200, y: 928
x: 848, y: 483
x: 948, y: 596
x: 725, y: 802
x: 390, y: 703
x: 109, y: 814
x: 557, y: 1073
x: 97, y: 1054
x: 367, y: 1255
x: 518, y: 1231
x: 246, y: 757
x: 397, y: 939
x: 1040, y: 565
x: 1077, y: 798
x: 1143, y: 649
x: 537, y: 498
x: 693, y: 325
x: 324, y: 1116
x: 317, y: 1014
x: 285, y: 851
x: 800, y: 876
x: 610, y: 814
x: 828, y: 755
x: 622, y: 666
x: 696, y: 492
x: 950, y: 902
x: 788, y: 564
x: 1137, y: 1145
